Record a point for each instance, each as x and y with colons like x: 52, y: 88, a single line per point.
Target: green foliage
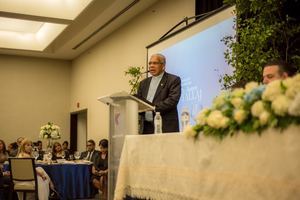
x: 262, y: 33
x: 135, y: 73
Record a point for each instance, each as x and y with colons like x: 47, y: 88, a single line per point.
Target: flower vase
x: 49, y: 144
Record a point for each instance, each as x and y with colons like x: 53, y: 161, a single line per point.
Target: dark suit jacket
x: 165, y: 100
x: 94, y: 155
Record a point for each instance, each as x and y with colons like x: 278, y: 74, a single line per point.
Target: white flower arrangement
x: 50, y: 131
x: 251, y: 109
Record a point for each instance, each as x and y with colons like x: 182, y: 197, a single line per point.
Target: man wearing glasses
x: 90, y: 154
x: 163, y: 90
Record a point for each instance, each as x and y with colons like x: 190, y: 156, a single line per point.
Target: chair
x: 23, y: 176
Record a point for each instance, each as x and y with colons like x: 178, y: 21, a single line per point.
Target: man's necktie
x: 89, y: 156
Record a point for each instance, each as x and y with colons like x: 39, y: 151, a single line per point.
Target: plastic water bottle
x: 157, y: 123
x: 185, y: 118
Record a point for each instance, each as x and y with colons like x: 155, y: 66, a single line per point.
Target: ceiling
x: 52, y: 29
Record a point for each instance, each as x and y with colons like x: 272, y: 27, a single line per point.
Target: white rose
x: 219, y: 101
x: 189, y: 131
x: 217, y: 120
x: 294, y: 107
x: 293, y: 87
x: 201, y: 117
x: 272, y: 90
x: 224, y: 122
x: 54, y: 134
x: 237, y: 102
x: 257, y: 108
x: 288, y: 82
x: 239, y: 115
x: 281, y: 105
x: 238, y: 92
x: 55, y: 127
x: 264, y: 118
x: 250, y: 86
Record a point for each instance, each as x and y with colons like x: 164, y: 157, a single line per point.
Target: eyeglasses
x: 155, y: 63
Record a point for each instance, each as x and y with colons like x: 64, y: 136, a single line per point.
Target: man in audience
x: 277, y: 70
x: 19, y: 141
x: 163, y: 90
x: 12, y: 149
x: 90, y: 154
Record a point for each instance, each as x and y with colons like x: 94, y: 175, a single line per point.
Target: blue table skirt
x: 72, y: 181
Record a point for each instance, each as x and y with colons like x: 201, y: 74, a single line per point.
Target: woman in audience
x: 42, y: 177
x: 100, y: 169
x: 65, y: 146
x: 3, y: 152
x: 58, y: 152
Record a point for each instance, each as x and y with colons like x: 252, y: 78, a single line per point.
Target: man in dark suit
x: 163, y: 90
x: 90, y: 154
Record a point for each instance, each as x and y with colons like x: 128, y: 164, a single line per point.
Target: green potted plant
x: 135, y: 73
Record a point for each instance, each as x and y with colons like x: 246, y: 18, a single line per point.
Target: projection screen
x: 196, y: 54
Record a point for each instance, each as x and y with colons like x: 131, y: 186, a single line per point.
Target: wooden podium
x: 123, y: 120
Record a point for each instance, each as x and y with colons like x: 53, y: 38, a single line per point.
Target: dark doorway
x: 78, y: 130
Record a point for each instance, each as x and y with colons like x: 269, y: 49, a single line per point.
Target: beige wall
x: 33, y: 92
x: 100, y: 71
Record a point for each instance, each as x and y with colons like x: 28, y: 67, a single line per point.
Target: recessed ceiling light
x: 34, y: 24
x: 19, y: 25
x: 62, y: 9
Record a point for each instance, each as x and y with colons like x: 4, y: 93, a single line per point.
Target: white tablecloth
x: 243, y: 167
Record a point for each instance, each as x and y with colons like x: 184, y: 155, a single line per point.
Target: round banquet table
x: 72, y: 181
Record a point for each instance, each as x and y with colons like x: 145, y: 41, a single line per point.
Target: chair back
x: 22, y: 169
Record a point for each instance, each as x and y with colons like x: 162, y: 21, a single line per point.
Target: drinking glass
x: 35, y: 154
x: 49, y: 156
x: 63, y: 155
x: 71, y: 157
x: 77, y: 155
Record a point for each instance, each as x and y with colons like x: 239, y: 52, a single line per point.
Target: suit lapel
x: 160, y: 86
x: 147, y: 85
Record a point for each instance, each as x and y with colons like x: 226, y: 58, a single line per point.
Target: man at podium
x: 163, y: 90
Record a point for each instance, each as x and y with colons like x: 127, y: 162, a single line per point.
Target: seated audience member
x: 58, y: 152
x: 39, y: 146
x: 100, y: 169
x: 65, y: 146
x: 12, y: 149
x: 43, y: 179
x: 90, y: 154
x: 3, y: 152
x: 4, y: 181
x: 19, y: 141
x: 277, y: 70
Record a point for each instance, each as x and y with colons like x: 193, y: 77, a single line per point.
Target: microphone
x: 145, y: 72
